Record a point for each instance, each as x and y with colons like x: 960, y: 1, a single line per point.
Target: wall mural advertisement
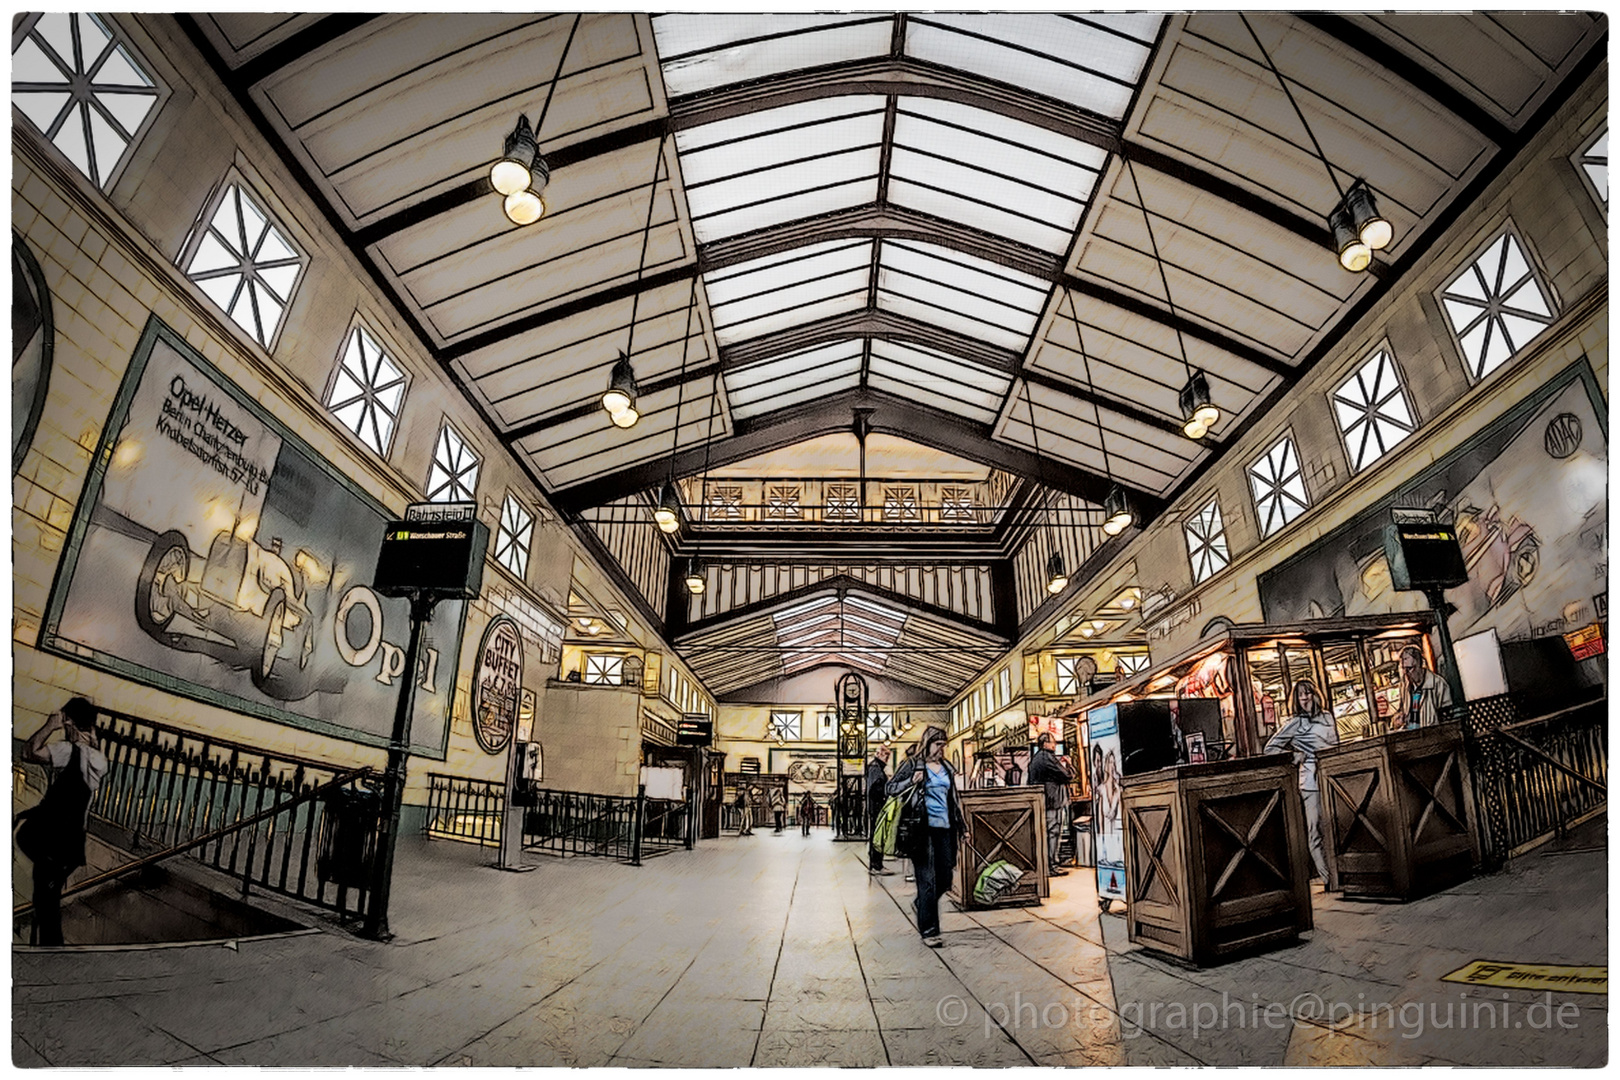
x: 214, y: 554
x: 497, y: 684
x: 815, y: 771
x: 1530, y: 499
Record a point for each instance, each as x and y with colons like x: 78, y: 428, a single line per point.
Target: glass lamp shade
x: 695, y: 581
x: 668, y: 513
x: 1057, y: 579
x: 1372, y: 228
x: 524, y: 207
x: 620, y: 397
x: 1354, y: 255
x: 512, y: 173
x: 1198, y: 412
x: 1117, y: 511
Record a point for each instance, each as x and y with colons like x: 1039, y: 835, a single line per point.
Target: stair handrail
x: 206, y: 838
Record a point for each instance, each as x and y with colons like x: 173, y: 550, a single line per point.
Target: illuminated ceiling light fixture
x: 696, y: 582
x: 1198, y: 412
x: 1118, y: 512
x: 668, y: 513
x: 522, y: 174
x: 696, y: 577
x: 1057, y: 579
x: 620, y: 398
x: 1358, y: 228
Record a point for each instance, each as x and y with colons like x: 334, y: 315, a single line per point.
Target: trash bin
x: 349, y: 836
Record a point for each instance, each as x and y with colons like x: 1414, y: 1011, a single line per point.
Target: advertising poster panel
x: 216, y: 555
x: 1107, y: 827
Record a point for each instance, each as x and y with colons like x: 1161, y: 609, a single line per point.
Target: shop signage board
x: 1511, y: 976
x: 497, y: 685
x: 1586, y: 642
x: 694, y: 729
x: 216, y: 555
x: 1107, y: 827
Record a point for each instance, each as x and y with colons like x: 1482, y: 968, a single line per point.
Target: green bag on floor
x: 886, y: 829
x: 995, y: 879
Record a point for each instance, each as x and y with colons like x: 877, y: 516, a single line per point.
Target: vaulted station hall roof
x: 1003, y: 233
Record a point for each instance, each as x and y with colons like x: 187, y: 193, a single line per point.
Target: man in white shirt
x: 52, y: 834
x: 1424, y: 695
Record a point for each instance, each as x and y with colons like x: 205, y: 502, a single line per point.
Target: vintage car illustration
x: 243, y: 604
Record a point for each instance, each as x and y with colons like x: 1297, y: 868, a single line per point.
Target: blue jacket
x: 902, y: 783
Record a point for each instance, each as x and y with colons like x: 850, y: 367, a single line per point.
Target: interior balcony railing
x: 888, y: 503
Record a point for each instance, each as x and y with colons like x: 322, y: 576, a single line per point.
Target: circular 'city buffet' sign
x: 497, y: 685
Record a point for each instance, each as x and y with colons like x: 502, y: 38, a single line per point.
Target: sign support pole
x: 1448, y: 652
x: 399, y: 752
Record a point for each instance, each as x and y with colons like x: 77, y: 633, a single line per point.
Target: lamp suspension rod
x: 551, y: 88
x: 1085, y: 359
x: 708, y: 445
x: 1040, y: 473
x: 1297, y: 111
x: 1163, y: 279
x: 680, y: 388
x: 646, y: 233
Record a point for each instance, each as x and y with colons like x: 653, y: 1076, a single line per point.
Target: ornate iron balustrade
x: 460, y: 808
x: 166, y: 788
x: 1535, y: 777
x: 891, y: 503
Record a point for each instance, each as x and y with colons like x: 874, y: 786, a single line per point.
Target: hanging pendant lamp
x: 1198, y: 412
x: 696, y: 580
x: 1057, y: 578
x: 620, y: 398
x: 668, y: 513
x: 522, y: 174
x: 1118, y: 514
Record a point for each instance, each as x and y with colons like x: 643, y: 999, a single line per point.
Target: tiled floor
x: 778, y: 950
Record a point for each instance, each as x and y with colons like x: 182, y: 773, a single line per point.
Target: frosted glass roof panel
x: 931, y: 361
x: 1093, y: 62
x: 960, y: 292
x: 779, y: 165
x: 788, y: 289
x: 835, y: 380
x: 773, y: 375
x: 700, y: 52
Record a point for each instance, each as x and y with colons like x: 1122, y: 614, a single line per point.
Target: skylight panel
x: 959, y: 292
x: 934, y: 379
x: 1094, y: 63
x: 700, y: 52
x: 789, y: 289
x: 761, y: 169
x: 991, y: 172
x: 791, y: 379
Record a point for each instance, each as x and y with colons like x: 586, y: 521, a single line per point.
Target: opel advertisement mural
x: 216, y: 555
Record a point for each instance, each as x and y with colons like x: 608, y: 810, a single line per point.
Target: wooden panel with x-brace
x: 1431, y: 797
x: 1360, y: 820
x: 1153, y: 849
x: 1245, y: 841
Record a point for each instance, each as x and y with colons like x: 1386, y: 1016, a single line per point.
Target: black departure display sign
x: 444, y: 558
x: 695, y: 730
x: 1424, y: 555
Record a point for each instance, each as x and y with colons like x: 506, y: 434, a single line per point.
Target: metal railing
x: 891, y: 503
x: 460, y: 808
x: 296, y: 827
x: 622, y: 827
x: 1535, y: 777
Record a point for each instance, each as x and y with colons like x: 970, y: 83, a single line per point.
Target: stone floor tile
x: 101, y: 1032
x: 801, y: 1049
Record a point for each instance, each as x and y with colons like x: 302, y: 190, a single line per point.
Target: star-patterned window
x: 604, y: 670
x: 1496, y: 305
x: 1278, y: 486
x: 1131, y: 663
x: 84, y: 88
x: 782, y: 502
x: 900, y: 504
x: 785, y: 725
x: 453, y: 476
x: 1372, y: 410
x: 1206, y: 542
x: 1068, y: 675
x: 725, y: 503
x: 245, y: 262
x: 368, y: 390
x: 1592, y: 160
x: 513, y: 536
x: 842, y: 502
x: 879, y: 726
x: 956, y: 504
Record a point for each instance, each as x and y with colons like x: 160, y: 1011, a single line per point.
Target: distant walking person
x: 745, y: 814
x: 807, y: 812
x: 937, y: 828
x: 52, y: 832
x: 877, y: 779
x: 1045, y: 769
x: 1309, y: 731
x: 779, y: 806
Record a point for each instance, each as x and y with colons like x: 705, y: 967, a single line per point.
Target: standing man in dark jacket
x: 1047, y: 770
x: 877, y: 778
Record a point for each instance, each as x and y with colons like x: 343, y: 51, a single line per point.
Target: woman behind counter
x: 1308, y: 732
x: 938, y: 829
